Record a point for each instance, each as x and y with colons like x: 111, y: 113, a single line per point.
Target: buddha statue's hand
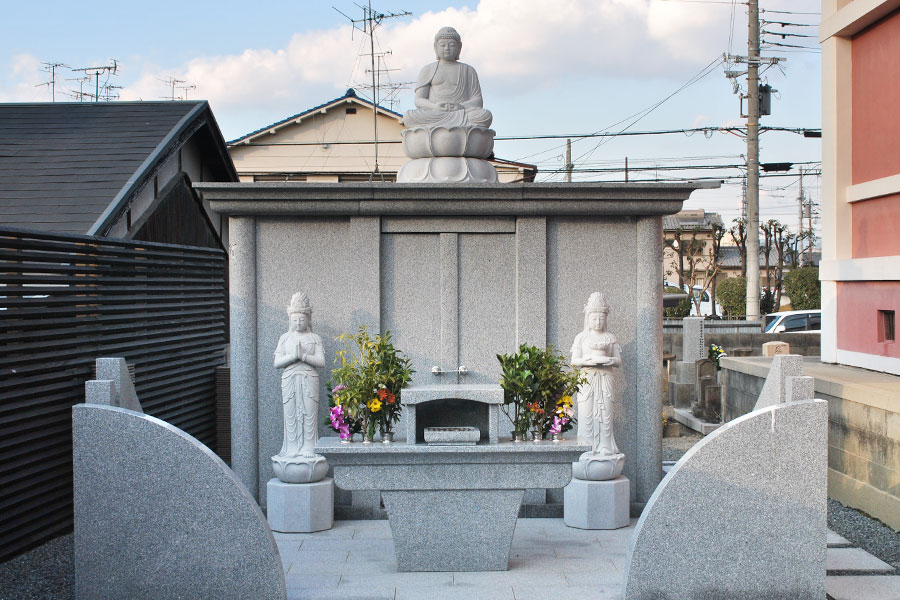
x: 450, y: 106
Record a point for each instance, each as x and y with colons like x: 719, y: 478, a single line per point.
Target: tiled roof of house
x: 62, y: 165
x: 687, y: 220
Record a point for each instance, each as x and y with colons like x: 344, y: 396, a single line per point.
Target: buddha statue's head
x: 447, y: 44
x: 300, y: 312
x: 595, y: 312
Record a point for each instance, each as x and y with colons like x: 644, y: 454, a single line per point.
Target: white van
x: 794, y: 320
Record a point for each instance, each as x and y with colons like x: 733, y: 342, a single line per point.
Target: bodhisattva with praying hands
x: 299, y: 353
x: 447, y: 135
x: 596, y: 352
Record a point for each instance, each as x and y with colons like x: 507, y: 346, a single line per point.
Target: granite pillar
x: 531, y: 281
x: 244, y: 412
x: 646, y: 455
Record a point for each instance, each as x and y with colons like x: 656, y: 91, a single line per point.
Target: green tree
x: 684, y: 305
x: 732, y: 295
x: 803, y: 288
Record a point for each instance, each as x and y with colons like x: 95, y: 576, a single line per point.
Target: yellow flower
x: 374, y: 405
x: 566, y: 400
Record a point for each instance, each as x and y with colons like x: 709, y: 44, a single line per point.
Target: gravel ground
x: 871, y: 535
x: 44, y: 573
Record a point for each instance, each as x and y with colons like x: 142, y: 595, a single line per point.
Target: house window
x: 351, y: 111
x: 885, y: 326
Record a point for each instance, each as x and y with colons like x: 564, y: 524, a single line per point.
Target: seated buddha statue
x: 447, y: 91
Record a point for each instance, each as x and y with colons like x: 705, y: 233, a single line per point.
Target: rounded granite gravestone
x: 741, y: 515
x: 158, y: 515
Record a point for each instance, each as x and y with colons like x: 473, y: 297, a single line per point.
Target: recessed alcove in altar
x: 453, y: 405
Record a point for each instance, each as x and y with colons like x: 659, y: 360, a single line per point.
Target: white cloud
x: 516, y: 45
x: 24, y: 81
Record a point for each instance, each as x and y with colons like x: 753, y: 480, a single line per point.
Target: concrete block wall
x: 802, y: 343
x: 864, y: 457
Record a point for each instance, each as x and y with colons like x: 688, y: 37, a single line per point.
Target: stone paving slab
x: 854, y: 559
x: 834, y: 539
x: 867, y: 587
x: 355, y: 560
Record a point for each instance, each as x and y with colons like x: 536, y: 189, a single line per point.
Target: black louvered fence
x: 67, y: 300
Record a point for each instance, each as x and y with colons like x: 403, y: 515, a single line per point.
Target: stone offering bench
x: 451, y: 508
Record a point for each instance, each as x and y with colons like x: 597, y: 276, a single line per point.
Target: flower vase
x: 536, y: 436
x: 347, y: 440
x: 556, y: 437
x: 387, y: 437
x: 368, y: 438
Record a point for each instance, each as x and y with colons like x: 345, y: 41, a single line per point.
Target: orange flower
x: 382, y: 393
x: 391, y: 398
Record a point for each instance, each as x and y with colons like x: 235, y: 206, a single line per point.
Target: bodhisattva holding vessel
x: 596, y: 352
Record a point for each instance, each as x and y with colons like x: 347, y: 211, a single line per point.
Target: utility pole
x: 753, y: 162
x: 569, y: 160
x: 800, y: 199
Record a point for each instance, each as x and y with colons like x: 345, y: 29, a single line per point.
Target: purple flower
x: 338, y: 388
x: 557, y: 425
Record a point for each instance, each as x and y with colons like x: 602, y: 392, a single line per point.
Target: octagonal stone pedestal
x: 452, y: 508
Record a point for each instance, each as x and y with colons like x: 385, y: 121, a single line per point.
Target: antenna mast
x: 372, y: 19
x: 95, y: 72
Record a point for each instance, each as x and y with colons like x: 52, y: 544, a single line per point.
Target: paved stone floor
x: 355, y: 560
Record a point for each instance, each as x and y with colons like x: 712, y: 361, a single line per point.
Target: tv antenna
x: 173, y: 83
x: 95, y: 72
x: 51, y: 68
x: 372, y: 19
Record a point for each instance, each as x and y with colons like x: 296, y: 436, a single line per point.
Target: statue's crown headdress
x: 300, y: 304
x: 596, y: 303
x: 447, y: 33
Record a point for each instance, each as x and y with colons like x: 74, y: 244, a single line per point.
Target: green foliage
x: 368, y: 380
x: 803, y: 288
x: 537, y: 384
x: 684, y: 305
x: 731, y: 293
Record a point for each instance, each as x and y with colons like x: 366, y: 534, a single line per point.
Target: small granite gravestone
x: 683, y: 385
x: 115, y: 370
x: 776, y: 348
x: 783, y: 367
x: 741, y: 515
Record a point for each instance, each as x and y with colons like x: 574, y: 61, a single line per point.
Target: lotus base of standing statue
x: 299, y: 469
x: 598, y: 467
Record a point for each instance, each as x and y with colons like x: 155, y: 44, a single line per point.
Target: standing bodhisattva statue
x: 300, y: 353
x: 596, y: 352
x: 448, y: 135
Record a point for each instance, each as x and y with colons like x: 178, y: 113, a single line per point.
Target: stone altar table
x: 452, y: 508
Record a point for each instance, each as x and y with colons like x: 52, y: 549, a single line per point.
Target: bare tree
x: 738, y: 233
x: 697, y: 260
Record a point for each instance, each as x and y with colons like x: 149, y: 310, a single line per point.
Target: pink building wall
x: 858, y: 303
x: 876, y: 227
x: 875, y: 222
x: 876, y: 96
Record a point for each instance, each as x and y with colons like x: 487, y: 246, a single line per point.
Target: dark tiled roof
x: 62, y: 164
x: 730, y: 258
x: 672, y: 222
x: 351, y: 93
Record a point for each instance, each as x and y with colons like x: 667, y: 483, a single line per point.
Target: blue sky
x: 567, y: 67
